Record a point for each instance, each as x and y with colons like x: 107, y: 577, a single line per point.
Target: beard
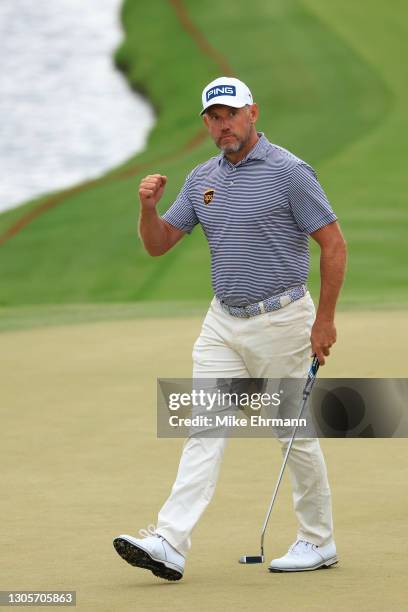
x: 233, y: 147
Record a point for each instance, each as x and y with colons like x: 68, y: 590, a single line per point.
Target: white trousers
x: 270, y: 345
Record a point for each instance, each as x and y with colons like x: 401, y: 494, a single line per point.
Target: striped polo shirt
x: 256, y: 215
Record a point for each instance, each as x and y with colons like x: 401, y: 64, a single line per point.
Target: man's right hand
x: 151, y: 190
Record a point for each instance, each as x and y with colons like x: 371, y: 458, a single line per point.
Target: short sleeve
x: 309, y: 204
x: 181, y: 213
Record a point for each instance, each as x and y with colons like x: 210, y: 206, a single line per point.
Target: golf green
x: 81, y: 464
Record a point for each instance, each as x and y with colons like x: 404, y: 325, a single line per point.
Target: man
x: 257, y: 204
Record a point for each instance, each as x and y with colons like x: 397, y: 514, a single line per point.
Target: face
x: 231, y: 128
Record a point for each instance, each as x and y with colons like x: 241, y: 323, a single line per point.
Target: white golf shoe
x: 304, y: 556
x: 151, y: 552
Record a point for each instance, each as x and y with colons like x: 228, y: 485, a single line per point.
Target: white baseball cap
x: 228, y: 91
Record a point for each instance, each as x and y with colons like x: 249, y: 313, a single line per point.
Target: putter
x: 311, y: 376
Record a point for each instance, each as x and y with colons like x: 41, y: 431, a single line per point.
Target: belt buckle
x: 285, y: 299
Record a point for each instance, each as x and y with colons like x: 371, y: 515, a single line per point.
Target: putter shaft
x: 306, y: 392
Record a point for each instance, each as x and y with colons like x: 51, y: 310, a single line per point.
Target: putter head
x: 252, y: 559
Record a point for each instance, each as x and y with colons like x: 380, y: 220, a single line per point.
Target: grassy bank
x: 328, y: 81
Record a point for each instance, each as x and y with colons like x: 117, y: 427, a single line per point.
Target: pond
x: 66, y: 113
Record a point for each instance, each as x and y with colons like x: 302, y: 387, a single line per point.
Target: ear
x: 254, y: 112
x: 205, y: 119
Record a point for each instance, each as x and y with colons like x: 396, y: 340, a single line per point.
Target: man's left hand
x: 322, y: 338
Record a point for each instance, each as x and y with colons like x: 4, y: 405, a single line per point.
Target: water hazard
x: 66, y: 113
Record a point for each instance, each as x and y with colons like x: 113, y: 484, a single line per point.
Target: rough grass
x: 328, y: 79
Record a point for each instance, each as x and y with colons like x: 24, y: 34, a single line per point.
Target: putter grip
x: 315, y: 366
x: 311, y: 377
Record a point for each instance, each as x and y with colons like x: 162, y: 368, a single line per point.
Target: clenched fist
x: 151, y: 189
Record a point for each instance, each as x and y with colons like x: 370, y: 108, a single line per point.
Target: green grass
x: 49, y: 315
x: 17, y: 318
x: 329, y: 80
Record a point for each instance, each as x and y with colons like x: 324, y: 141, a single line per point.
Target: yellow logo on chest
x: 208, y: 196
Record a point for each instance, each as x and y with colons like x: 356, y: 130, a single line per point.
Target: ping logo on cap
x: 208, y: 196
x: 221, y: 90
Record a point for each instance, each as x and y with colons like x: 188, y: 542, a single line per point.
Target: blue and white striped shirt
x: 256, y: 215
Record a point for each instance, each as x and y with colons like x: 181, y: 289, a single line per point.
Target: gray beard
x: 232, y: 148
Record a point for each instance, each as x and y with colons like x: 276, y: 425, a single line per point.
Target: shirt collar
x: 258, y: 151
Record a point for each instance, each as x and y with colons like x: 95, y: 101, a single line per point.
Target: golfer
x: 257, y: 204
